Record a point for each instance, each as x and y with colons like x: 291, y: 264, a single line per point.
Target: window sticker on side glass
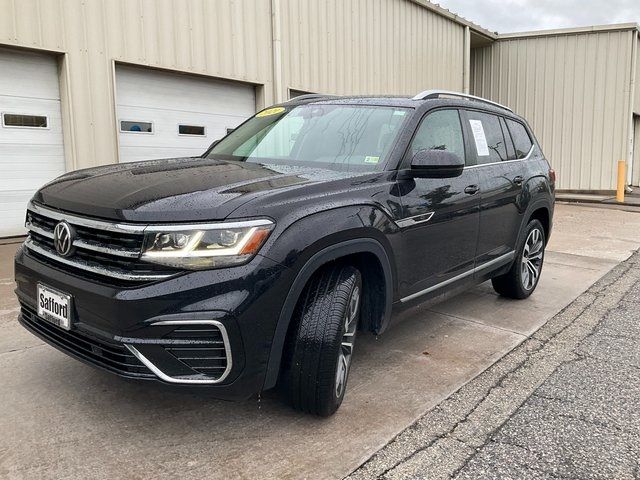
x: 481, y: 140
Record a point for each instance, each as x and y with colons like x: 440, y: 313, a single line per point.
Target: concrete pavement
x: 563, y: 404
x: 62, y: 419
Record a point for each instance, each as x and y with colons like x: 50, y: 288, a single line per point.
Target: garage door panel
x: 13, y: 206
x: 51, y: 135
x: 137, y: 154
x: 29, y: 157
x: 29, y: 174
x: 143, y: 87
x: 168, y: 100
x: 24, y: 74
x: 166, y: 133
x: 17, y: 151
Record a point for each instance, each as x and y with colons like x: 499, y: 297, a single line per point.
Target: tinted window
x: 511, y: 153
x: 136, y: 127
x: 440, y: 130
x: 486, y: 137
x: 521, y: 138
x: 191, y: 130
x: 31, y: 121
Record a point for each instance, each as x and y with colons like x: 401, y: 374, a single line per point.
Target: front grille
x: 205, y: 351
x: 111, y: 356
x: 125, y: 242
x: 102, y: 250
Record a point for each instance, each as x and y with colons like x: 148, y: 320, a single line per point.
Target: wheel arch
x: 356, y: 250
x: 541, y: 213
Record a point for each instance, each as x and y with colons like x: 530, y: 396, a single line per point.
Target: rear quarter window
x: 521, y: 139
x: 486, y: 137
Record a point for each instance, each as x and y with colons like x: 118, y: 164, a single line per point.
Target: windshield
x: 337, y: 137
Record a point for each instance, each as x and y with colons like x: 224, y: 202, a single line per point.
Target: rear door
x: 501, y: 177
x: 440, y: 216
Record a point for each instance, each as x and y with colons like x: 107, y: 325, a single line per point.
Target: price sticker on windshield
x: 270, y: 111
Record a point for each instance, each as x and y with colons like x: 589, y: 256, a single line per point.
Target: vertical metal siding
x: 369, y: 47
x: 636, y: 108
x: 635, y: 177
x: 573, y: 90
x: 221, y: 38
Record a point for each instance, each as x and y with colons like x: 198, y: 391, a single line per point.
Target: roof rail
x: 438, y: 93
x: 311, y: 96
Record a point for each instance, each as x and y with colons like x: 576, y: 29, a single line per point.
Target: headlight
x: 207, y: 246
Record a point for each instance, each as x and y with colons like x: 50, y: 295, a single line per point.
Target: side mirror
x: 436, y: 164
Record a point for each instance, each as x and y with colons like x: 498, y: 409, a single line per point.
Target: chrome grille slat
x: 120, y: 252
x: 86, y: 222
x: 96, y: 269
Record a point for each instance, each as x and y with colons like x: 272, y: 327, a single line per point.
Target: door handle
x: 471, y: 189
x: 518, y: 180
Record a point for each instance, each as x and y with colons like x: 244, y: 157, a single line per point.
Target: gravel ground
x: 564, y: 404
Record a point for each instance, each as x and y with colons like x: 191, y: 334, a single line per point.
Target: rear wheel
x: 522, y: 279
x: 320, y: 348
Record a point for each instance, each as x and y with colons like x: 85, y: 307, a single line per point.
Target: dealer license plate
x: 54, y: 306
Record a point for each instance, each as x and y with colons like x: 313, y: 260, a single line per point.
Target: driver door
x: 440, y: 216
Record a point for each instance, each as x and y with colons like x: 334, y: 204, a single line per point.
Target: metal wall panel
x: 635, y: 173
x: 636, y: 108
x: 368, y: 47
x: 575, y: 92
x: 222, y: 38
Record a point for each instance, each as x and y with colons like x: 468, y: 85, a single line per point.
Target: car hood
x: 177, y: 189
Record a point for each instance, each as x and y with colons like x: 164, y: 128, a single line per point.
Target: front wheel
x: 320, y: 348
x: 523, y: 277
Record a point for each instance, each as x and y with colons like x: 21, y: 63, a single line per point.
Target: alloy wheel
x: 532, y: 259
x: 348, y: 339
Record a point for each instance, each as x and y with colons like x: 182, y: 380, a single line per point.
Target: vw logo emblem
x: 63, y: 238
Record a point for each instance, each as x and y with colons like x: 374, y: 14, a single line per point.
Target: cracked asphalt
x: 562, y: 405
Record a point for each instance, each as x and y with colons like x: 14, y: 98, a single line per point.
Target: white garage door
x: 31, y: 145
x: 163, y: 115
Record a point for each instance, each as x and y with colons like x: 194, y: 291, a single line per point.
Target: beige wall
x: 574, y: 89
x: 369, y: 47
x: 635, y: 179
x: 338, y: 46
x: 637, y: 76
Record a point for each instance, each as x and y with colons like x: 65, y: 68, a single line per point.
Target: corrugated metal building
x: 580, y: 91
x: 92, y: 82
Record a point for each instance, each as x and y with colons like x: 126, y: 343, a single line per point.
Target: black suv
x: 256, y: 264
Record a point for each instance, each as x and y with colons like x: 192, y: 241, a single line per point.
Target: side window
x: 521, y: 138
x: 440, y: 130
x: 511, y: 152
x: 486, y: 137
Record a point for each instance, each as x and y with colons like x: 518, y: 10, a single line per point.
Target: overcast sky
x: 522, y: 15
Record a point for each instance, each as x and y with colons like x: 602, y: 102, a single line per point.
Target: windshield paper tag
x: 481, y: 140
x: 270, y: 111
x: 368, y: 159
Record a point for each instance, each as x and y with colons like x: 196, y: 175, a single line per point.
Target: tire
x: 522, y: 278
x: 317, y: 356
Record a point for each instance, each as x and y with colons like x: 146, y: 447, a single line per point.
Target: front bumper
x: 208, y: 328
